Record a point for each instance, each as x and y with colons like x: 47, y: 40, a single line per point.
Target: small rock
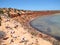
x: 12, y: 32
x: 5, y: 38
x: 14, y: 36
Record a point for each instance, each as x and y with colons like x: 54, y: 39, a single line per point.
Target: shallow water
x: 48, y: 24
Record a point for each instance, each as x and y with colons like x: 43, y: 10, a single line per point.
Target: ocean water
x: 48, y: 24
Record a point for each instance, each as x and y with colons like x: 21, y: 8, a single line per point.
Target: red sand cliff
x: 24, y: 19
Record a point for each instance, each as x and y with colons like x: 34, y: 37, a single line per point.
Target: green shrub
x: 9, y: 14
x: 1, y: 12
x: 0, y: 20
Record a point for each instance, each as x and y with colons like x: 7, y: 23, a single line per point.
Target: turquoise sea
x: 48, y: 24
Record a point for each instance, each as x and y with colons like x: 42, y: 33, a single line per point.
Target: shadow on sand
x: 2, y: 35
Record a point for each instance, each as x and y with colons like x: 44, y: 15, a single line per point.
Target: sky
x: 31, y: 4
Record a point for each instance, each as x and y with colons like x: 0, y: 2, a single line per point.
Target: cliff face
x: 19, y: 20
x: 14, y: 34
